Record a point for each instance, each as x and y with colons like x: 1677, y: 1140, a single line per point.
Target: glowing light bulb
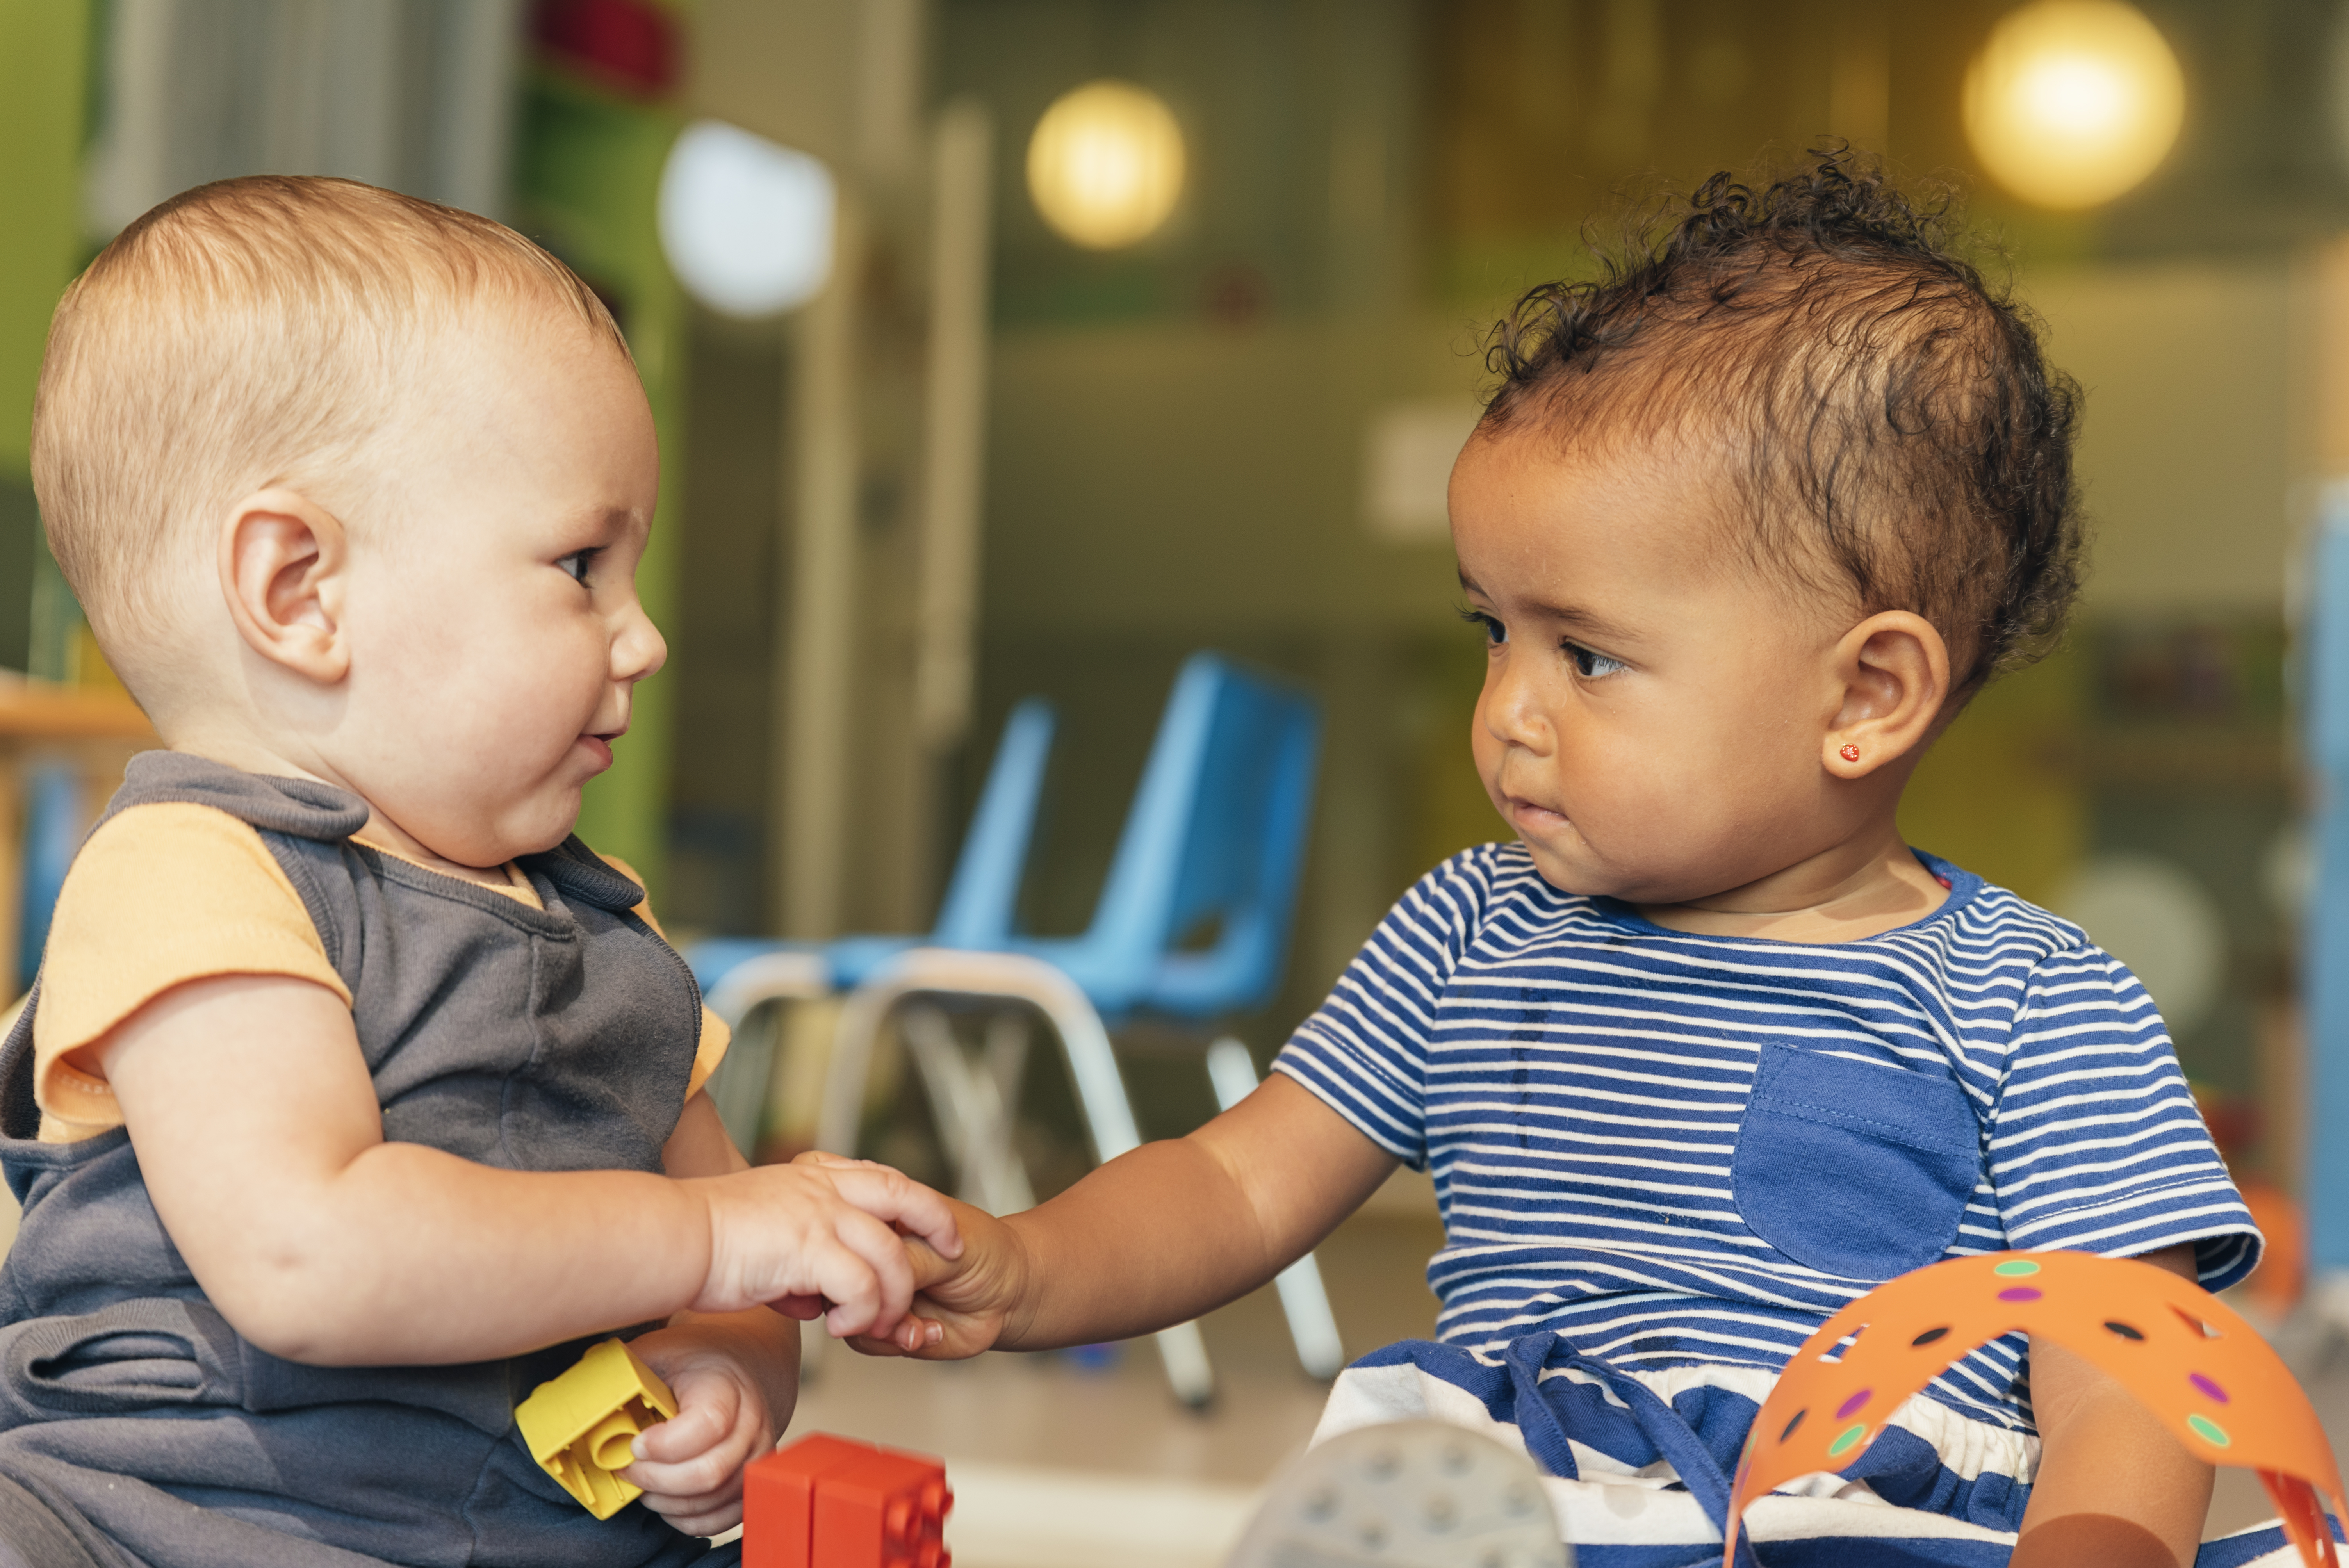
x: 2071, y: 102
x: 1105, y: 165
x: 746, y: 223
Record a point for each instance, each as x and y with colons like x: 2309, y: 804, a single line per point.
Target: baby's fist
x: 691, y: 1466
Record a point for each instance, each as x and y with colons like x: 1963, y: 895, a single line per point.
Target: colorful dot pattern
x: 2061, y: 1277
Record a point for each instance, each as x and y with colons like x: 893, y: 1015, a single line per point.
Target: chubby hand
x: 968, y: 1299
x: 735, y: 1382
x: 822, y: 1238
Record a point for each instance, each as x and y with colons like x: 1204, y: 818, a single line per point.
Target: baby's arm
x: 2114, y: 1488
x: 1157, y: 1236
x: 735, y: 1375
x: 257, y: 1130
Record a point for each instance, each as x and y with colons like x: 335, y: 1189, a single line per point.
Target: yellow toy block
x: 579, y: 1425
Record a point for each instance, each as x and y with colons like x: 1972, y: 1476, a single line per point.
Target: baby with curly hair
x: 1709, y: 1051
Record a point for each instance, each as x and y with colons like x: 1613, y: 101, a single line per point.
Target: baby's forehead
x: 1544, y: 513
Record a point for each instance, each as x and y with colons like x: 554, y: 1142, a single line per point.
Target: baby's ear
x: 282, y: 564
x: 1895, y: 671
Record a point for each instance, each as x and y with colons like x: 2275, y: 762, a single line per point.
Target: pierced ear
x: 282, y: 560
x: 1894, y: 670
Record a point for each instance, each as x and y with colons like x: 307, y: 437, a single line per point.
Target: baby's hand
x: 811, y: 1238
x: 691, y: 1466
x: 967, y: 1301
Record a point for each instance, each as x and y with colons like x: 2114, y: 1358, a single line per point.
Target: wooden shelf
x: 37, y: 710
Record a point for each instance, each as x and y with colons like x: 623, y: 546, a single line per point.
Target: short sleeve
x: 159, y: 896
x: 2096, y: 1144
x: 715, y: 1036
x: 1364, y: 1052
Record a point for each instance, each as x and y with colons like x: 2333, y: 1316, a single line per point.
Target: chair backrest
x: 1216, y: 838
x: 984, y: 893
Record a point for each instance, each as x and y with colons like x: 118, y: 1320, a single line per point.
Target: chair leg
x: 744, y: 1080
x: 1183, y: 1350
x: 1008, y: 1035
x: 997, y: 1159
x: 1109, y: 1116
x: 1084, y: 1040
x: 861, y: 1017
x: 1312, y: 1325
x: 974, y: 1122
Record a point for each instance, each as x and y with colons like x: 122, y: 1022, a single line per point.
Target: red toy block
x: 883, y: 1511
x: 829, y: 1503
x: 779, y: 1499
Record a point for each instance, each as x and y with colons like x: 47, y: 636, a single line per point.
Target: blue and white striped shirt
x: 1678, y: 1150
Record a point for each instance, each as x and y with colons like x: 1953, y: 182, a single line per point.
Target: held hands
x: 968, y: 1297
x: 824, y: 1236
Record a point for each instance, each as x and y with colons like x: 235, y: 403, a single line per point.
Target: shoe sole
x: 1414, y: 1494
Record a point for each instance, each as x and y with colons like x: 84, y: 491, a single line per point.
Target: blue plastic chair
x: 1213, y: 846
x: 739, y: 975
x: 53, y: 820
x: 1216, y: 834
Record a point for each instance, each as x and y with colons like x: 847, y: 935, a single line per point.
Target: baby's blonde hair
x: 243, y: 335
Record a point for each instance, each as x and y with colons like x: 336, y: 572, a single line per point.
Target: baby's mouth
x: 1533, y: 815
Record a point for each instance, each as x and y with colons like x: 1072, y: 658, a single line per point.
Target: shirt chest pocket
x: 1855, y: 1170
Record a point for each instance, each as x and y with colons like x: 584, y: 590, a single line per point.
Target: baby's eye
x: 1495, y: 634
x: 576, y: 564
x: 1592, y: 665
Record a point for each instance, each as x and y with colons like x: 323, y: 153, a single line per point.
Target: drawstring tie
x: 1545, y: 1436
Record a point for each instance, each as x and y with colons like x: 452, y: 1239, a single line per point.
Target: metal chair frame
x: 1216, y: 830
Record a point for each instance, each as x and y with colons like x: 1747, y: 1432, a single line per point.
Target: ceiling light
x: 746, y: 223
x: 2071, y: 102
x: 1105, y: 164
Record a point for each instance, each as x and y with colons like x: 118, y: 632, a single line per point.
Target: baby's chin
x: 495, y: 839
x: 1583, y: 872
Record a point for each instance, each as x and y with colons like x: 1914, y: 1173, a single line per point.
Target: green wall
x: 45, y: 49
x: 588, y: 173
x: 43, y: 53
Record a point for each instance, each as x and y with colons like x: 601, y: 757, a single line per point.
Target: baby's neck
x: 1848, y: 893
x: 227, y: 745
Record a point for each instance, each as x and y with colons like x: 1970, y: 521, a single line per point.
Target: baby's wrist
x: 706, y: 1195
x: 1023, y: 1278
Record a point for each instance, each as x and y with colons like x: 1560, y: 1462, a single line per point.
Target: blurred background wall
x: 1232, y: 431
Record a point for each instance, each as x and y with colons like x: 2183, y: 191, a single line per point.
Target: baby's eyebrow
x: 1574, y: 617
x: 1589, y: 623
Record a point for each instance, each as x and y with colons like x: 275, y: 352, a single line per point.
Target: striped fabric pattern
x: 1575, y: 1078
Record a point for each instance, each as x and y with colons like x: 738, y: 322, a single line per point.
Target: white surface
x: 746, y: 223
x: 1019, y: 1516
x: 1407, y: 455
x: 2154, y: 916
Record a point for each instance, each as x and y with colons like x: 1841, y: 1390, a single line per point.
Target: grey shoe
x: 1416, y: 1494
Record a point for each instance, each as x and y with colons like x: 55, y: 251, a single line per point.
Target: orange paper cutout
x: 2185, y: 1356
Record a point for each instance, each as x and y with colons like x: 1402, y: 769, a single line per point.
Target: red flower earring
x: 1849, y: 752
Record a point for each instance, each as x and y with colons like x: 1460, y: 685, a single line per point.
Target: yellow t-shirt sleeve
x: 161, y: 895
x: 715, y: 1036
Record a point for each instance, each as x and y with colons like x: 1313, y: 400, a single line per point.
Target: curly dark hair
x: 1888, y: 416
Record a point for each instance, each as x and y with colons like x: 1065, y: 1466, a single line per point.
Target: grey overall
x: 148, y: 1431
